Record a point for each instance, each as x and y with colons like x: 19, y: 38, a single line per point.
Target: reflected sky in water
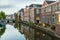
x: 12, y: 34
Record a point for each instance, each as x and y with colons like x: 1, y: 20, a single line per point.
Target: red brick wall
x: 58, y: 29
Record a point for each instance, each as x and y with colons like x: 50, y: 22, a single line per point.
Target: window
x: 55, y: 7
x: 48, y: 9
x: 59, y: 6
x: 37, y: 11
x: 53, y: 18
x: 42, y: 10
x: 52, y: 8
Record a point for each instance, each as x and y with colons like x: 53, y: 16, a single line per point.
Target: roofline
x: 35, y: 4
x: 50, y: 4
x: 45, y: 1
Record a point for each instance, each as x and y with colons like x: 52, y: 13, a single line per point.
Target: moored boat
x: 2, y: 24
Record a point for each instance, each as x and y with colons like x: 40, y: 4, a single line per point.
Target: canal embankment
x: 44, y: 30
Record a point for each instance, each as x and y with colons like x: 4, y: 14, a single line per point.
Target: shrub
x: 31, y: 23
x: 52, y: 27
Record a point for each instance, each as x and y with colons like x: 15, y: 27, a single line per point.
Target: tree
x: 2, y: 15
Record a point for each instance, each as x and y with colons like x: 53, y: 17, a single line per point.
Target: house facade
x: 26, y: 14
x: 35, y: 13
x: 47, y: 13
x: 32, y: 13
x: 50, y: 12
x: 21, y: 14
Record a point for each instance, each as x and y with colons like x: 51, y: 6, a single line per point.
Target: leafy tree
x: 2, y: 15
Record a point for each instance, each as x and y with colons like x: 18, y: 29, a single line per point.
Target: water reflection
x: 10, y: 33
x: 19, y: 27
x: 2, y: 31
x: 27, y: 31
x: 33, y: 34
x: 19, y: 31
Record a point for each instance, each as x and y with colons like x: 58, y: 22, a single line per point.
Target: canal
x: 11, y: 33
x: 18, y: 31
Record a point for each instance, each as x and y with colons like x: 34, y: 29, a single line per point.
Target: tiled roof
x: 49, y: 2
x: 21, y: 10
x: 35, y: 5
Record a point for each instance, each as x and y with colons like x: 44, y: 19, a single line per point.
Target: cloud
x: 11, y: 6
x: 6, y: 6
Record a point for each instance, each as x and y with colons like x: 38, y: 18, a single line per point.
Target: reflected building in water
x: 46, y: 13
x: 19, y: 27
x: 34, y: 34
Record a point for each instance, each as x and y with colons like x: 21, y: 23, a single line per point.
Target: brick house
x: 35, y: 13
x: 50, y: 12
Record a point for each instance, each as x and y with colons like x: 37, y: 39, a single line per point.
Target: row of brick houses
x: 48, y: 13
x: 31, y: 13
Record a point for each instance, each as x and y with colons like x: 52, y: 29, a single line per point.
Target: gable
x: 45, y: 3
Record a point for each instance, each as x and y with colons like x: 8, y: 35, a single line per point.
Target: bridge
x: 10, y: 20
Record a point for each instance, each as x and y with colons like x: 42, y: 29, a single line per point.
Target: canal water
x: 11, y: 33
x: 20, y: 31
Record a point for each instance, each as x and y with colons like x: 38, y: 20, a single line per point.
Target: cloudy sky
x: 11, y: 6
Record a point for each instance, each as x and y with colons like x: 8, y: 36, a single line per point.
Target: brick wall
x: 58, y: 29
